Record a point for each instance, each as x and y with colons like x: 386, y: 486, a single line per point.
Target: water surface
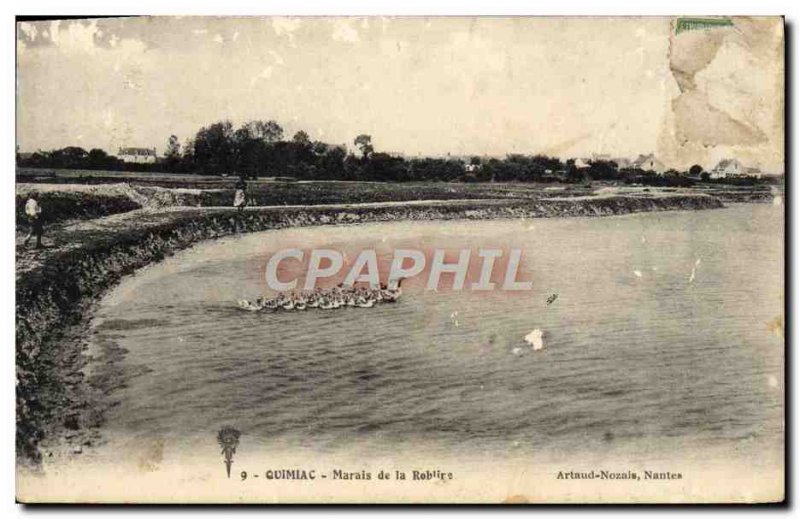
x: 641, y: 355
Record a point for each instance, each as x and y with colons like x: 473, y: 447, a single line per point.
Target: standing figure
x: 33, y: 211
x: 240, y: 197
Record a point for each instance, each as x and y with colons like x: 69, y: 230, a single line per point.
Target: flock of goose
x: 326, y: 299
x: 360, y: 297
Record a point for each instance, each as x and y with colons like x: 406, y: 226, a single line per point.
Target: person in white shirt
x: 34, y: 213
x: 240, y: 196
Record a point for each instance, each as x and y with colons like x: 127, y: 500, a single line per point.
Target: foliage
x: 258, y: 149
x: 364, y: 143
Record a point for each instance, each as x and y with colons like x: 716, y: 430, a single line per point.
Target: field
x: 82, y: 194
x: 79, y: 194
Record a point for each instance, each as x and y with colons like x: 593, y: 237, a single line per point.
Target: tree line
x: 259, y: 149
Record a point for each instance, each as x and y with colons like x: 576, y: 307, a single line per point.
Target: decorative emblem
x: 228, y: 439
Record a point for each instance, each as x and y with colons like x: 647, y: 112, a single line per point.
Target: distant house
x: 472, y: 168
x: 732, y: 168
x: 582, y: 163
x: 754, y: 172
x: 137, y: 155
x: 649, y: 163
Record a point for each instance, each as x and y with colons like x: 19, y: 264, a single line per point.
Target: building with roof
x: 732, y: 168
x: 138, y: 155
x: 649, y: 163
x: 583, y: 163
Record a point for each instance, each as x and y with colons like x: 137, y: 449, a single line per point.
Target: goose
x: 244, y: 304
x: 392, y: 294
x: 535, y: 339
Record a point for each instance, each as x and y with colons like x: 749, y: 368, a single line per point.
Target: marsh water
x: 662, y: 336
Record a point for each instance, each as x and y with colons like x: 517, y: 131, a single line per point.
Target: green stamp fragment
x: 693, y: 24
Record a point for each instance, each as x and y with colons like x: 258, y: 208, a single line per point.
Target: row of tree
x: 71, y: 157
x: 258, y: 149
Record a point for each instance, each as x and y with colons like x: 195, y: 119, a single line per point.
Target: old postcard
x: 400, y: 260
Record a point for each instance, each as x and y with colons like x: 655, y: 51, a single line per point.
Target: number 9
x: 244, y: 475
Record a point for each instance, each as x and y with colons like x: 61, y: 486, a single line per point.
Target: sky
x: 418, y: 86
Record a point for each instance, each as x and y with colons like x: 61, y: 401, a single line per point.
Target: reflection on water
x: 659, y: 338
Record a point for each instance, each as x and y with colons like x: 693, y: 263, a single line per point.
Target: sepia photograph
x: 400, y: 259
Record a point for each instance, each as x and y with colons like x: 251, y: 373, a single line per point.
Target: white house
x: 137, y: 155
x: 649, y: 163
x: 732, y: 168
x: 727, y: 168
x: 754, y: 172
x: 582, y: 163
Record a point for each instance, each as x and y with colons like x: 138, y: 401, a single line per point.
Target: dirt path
x: 75, y: 234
